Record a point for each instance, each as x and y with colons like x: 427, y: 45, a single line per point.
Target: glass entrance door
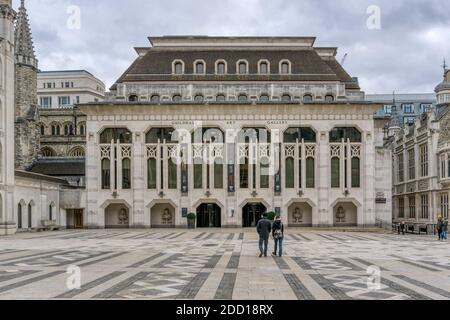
x: 251, y: 214
x: 209, y: 216
x: 78, y: 219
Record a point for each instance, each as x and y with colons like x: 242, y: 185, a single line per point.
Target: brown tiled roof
x: 307, y: 65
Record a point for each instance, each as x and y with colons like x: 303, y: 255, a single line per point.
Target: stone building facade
x: 421, y: 164
x: 229, y: 128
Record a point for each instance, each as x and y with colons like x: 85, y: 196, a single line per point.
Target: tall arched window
x: 19, y: 216
x: 56, y: 130
x: 199, y: 67
x: 106, y: 174
x: 290, y: 175
x: 242, y: 67
x: 178, y: 67
x: 335, y: 172
x: 82, y: 130
x: 264, y: 67
x: 30, y: 216
x: 285, y: 67
x: 126, y: 173
x: 221, y: 68
x: 68, y: 129
x: 42, y: 128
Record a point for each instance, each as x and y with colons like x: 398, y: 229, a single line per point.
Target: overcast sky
x: 405, y: 54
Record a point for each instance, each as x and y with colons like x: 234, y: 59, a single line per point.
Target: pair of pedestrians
x: 264, y: 228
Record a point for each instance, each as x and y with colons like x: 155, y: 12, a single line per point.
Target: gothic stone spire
x: 24, y: 41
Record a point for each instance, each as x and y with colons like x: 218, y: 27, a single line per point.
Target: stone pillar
x: 323, y: 190
x: 138, y: 185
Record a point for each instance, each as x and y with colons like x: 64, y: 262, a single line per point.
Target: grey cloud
x: 405, y: 55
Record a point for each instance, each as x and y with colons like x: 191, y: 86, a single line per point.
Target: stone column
x: 138, y: 185
x: 323, y: 189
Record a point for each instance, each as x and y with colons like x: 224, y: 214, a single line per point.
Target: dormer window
x: 155, y: 98
x: 178, y: 67
x: 220, y: 98
x: 221, y: 67
x: 264, y: 67
x: 133, y: 98
x: 242, y: 98
x: 199, y: 98
x: 177, y: 98
x: 264, y: 98
x: 286, y: 98
x: 242, y: 67
x: 285, y: 67
x: 307, y: 98
x: 199, y: 67
x: 329, y: 98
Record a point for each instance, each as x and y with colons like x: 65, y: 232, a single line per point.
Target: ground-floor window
x: 412, y: 207
x: 444, y: 205
x: 401, y: 208
x: 425, y: 210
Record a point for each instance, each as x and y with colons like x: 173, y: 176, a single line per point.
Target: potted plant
x: 191, y: 220
x: 271, y: 216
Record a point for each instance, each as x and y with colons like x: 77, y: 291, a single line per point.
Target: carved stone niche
x: 340, y: 215
x: 298, y: 216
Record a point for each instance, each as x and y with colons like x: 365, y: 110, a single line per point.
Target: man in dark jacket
x: 264, y: 228
x: 278, y: 236
x: 445, y: 229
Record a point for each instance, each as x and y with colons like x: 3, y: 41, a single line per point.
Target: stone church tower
x: 7, y: 117
x: 26, y: 109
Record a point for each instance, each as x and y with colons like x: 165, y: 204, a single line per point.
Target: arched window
x: 264, y: 98
x: 178, y: 67
x: 329, y: 98
x: 352, y: 134
x: 133, y: 98
x: 310, y: 172
x: 248, y: 135
x: 285, y: 67
x: 56, y: 130
x: 176, y: 98
x: 242, y: 67
x: 307, y: 98
x: 335, y: 172
x: 106, y: 174
x: 77, y: 153
x: 199, y: 67
x: 68, y: 129
x: 199, y: 98
x: 50, y: 211
x: 82, y: 130
x: 290, y: 175
x: 155, y: 98
x: 42, y: 128
x: 151, y: 173
x: 264, y: 67
x: 19, y: 216
x: 220, y: 98
x: 221, y: 67
x: 30, y: 216
x: 242, y: 98
x: 126, y: 173
x: 48, y: 153
x: 286, y: 98
x: 356, y: 172
x: 117, y: 134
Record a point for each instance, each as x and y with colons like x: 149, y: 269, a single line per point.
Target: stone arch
x: 31, y: 214
x: 48, y: 152
x: 116, y: 214
x: 21, y: 207
x: 346, y: 212
x: 77, y: 152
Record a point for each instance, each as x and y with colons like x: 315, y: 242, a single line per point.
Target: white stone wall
x: 323, y: 199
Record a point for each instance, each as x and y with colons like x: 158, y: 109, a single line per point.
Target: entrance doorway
x: 251, y: 214
x: 209, y: 216
x: 78, y: 222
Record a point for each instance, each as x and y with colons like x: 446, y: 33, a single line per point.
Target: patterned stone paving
x: 222, y: 265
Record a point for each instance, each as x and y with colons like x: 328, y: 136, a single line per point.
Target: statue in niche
x: 298, y: 215
x: 340, y: 215
x: 123, y: 217
x: 166, y: 216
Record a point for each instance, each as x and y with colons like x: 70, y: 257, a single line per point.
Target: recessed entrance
x: 75, y: 219
x: 162, y: 216
x: 209, y: 216
x: 251, y: 214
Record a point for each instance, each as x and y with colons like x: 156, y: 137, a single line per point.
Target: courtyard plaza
x: 222, y: 264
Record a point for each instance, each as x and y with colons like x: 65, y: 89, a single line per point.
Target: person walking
x: 439, y: 228
x: 403, y: 227
x: 278, y: 236
x: 444, y: 235
x: 264, y: 228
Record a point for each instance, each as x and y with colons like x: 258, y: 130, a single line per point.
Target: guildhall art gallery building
x: 229, y: 128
